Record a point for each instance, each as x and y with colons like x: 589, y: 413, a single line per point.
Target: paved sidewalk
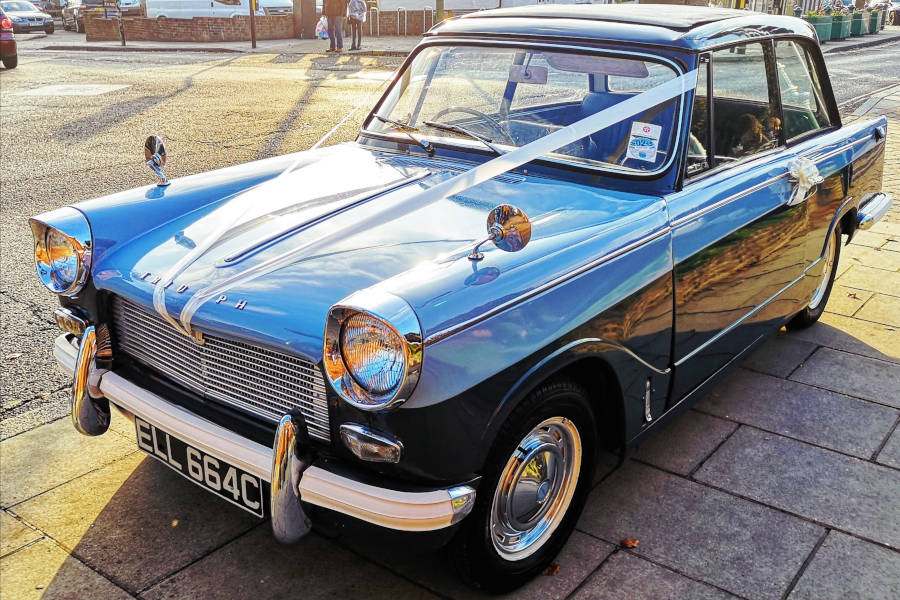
x: 781, y: 483
x: 372, y: 46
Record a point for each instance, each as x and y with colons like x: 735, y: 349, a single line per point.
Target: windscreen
x: 513, y: 96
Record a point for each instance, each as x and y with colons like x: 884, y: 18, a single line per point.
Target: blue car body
x: 644, y: 288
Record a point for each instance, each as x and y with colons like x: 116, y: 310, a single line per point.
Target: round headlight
x: 63, y: 258
x: 63, y: 246
x: 373, y: 352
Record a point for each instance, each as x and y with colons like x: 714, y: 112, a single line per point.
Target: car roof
x: 693, y: 28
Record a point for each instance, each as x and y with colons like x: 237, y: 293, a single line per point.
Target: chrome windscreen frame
x: 74, y: 225
x: 396, y: 314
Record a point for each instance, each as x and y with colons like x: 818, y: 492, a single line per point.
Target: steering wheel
x: 494, y: 123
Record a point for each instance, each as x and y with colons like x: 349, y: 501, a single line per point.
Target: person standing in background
x: 334, y: 11
x: 357, y: 12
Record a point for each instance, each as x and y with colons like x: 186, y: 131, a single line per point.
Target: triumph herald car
x: 332, y: 333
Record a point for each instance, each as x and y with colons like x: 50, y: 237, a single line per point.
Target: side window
x: 739, y: 116
x: 746, y: 117
x: 801, y: 94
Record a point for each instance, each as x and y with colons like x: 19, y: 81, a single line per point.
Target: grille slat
x: 250, y: 378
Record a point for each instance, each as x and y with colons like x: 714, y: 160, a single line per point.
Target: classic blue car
x: 664, y: 188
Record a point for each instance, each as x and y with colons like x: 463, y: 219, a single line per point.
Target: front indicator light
x: 370, y: 446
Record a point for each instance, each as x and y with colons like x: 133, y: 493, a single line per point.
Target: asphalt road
x: 66, y: 144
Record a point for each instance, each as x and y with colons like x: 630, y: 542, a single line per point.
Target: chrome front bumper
x: 425, y: 510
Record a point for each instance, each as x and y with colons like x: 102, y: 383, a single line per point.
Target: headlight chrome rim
x: 397, y: 316
x: 71, y: 226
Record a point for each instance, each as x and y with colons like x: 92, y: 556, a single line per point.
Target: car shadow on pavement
x: 115, y: 114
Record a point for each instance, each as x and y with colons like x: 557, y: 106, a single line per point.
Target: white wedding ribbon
x: 515, y: 158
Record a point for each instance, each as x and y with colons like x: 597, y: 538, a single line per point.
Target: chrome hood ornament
x: 155, y: 155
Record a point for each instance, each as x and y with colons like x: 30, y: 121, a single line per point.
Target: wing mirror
x: 509, y: 229
x: 155, y: 155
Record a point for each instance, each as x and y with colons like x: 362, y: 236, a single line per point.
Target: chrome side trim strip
x: 838, y: 150
x: 699, y: 213
x: 439, y: 335
x: 731, y: 327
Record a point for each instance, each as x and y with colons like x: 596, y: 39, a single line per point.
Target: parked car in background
x: 74, y: 10
x: 131, y: 8
x: 9, y: 55
x: 188, y: 9
x: 555, y: 240
x: 26, y: 17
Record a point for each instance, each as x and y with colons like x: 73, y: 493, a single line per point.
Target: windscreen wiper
x: 405, y: 129
x: 457, y: 129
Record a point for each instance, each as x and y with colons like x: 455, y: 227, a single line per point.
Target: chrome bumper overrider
x: 871, y: 211
x: 286, y: 467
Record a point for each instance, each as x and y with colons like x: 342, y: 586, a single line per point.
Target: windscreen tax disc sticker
x: 644, y: 141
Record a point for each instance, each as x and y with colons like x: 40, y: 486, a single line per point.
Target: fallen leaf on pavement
x: 12, y: 356
x: 629, y: 543
x: 551, y: 570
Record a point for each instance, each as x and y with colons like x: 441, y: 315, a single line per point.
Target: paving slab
x: 853, y: 335
x: 23, y: 476
x: 14, y: 534
x: 847, y: 493
x: 780, y: 354
x: 258, y: 567
x: 874, y: 280
x: 846, y: 301
x: 879, y: 259
x: 748, y: 549
x: 847, y: 567
x: 889, y: 229
x: 890, y: 454
x: 625, y: 575
x: 684, y: 444
x: 800, y: 411
x: 859, y: 376
x: 882, y: 309
x: 871, y: 239
x: 136, y: 520
x: 44, y: 570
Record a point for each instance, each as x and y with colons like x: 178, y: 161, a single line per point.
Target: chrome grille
x: 245, y: 376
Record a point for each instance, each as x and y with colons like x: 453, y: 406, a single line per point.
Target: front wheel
x: 811, y: 313
x: 49, y: 30
x: 536, y: 483
x: 12, y: 62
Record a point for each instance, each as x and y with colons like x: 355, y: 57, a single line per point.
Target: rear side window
x: 801, y: 93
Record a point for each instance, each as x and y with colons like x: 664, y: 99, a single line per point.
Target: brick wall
x: 198, y: 29
x: 389, y: 23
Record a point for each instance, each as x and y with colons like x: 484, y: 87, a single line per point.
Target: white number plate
x: 229, y: 482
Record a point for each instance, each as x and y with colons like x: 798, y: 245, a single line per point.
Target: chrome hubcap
x: 826, y: 273
x: 535, y: 488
